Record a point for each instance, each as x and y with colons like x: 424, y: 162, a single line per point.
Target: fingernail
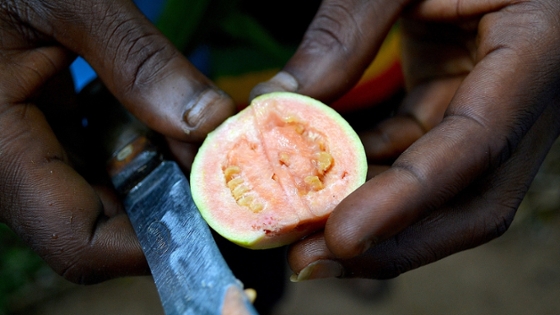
x: 281, y: 82
x: 196, y: 108
x: 319, y: 269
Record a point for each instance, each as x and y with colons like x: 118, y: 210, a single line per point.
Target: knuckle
x: 413, y: 173
x: 491, y: 225
x: 333, y: 28
x: 14, y: 10
x: 500, y: 209
x: 24, y: 16
x: 145, y: 58
x: 15, y: 17
x: 500, y: 222
x: 142, y: 54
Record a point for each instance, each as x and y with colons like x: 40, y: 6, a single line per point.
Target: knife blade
x: 189, y: 272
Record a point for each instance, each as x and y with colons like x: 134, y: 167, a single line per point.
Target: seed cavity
x: 241, y: 191
x: 313, y: 136
x: 256, y: 207
x: 296, y: 123
x: 284, y: 158
x: 324, y: 162
x: 232, y: 184
x: 313, y: 182
x: 321, y: 159
x: 245, y: 201
x: 231, y: 171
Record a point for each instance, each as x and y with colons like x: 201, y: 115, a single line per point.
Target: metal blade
x: 188, y: 269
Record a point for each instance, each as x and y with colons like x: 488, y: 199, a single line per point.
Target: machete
x: 189, y: 271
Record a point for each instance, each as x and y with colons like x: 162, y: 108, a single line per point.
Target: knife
x: 189, y: 271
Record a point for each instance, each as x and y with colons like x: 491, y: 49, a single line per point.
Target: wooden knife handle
x: 127, y: 145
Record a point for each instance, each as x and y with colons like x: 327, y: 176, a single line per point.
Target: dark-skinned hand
x: 78, y: 228
x: 480, y: 114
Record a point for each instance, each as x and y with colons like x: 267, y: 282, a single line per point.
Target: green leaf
x: 179, y: 20
x: 244, y: 27
x: 18, y: 265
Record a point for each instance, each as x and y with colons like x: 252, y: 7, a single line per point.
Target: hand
x: 480, y: 114
x: 80, y: 229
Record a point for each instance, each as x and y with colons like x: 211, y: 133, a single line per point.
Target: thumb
x: 339, y: 44
x: 145, y: 72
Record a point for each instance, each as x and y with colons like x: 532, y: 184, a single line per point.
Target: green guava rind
x: 201, y: 177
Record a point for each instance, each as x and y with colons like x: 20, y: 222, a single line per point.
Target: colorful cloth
x: 236, y: 51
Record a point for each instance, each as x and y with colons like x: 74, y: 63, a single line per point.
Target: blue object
x: 200, y: 58
x: 82, y: 73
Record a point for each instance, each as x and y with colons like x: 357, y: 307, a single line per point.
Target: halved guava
x: 275, y: 171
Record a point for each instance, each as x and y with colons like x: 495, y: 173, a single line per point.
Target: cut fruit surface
x: 275, y: 171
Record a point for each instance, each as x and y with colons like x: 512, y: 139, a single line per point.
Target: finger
x: 490, y: 113
x: 137, y: 63
x: 55, y: 210
x: 339, y: 44
x: 422, y: 109
x: 310, y: 259
x: 436, y: 50
x: 480, y: 214
x: 435, y: 62
x: 79, y: 231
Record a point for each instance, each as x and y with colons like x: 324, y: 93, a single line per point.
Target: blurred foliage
x: 19, y: 267
x: 179, y: 20
x: 243, y: 35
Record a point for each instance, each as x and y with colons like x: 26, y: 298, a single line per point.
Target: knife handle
x: 128, y: 146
